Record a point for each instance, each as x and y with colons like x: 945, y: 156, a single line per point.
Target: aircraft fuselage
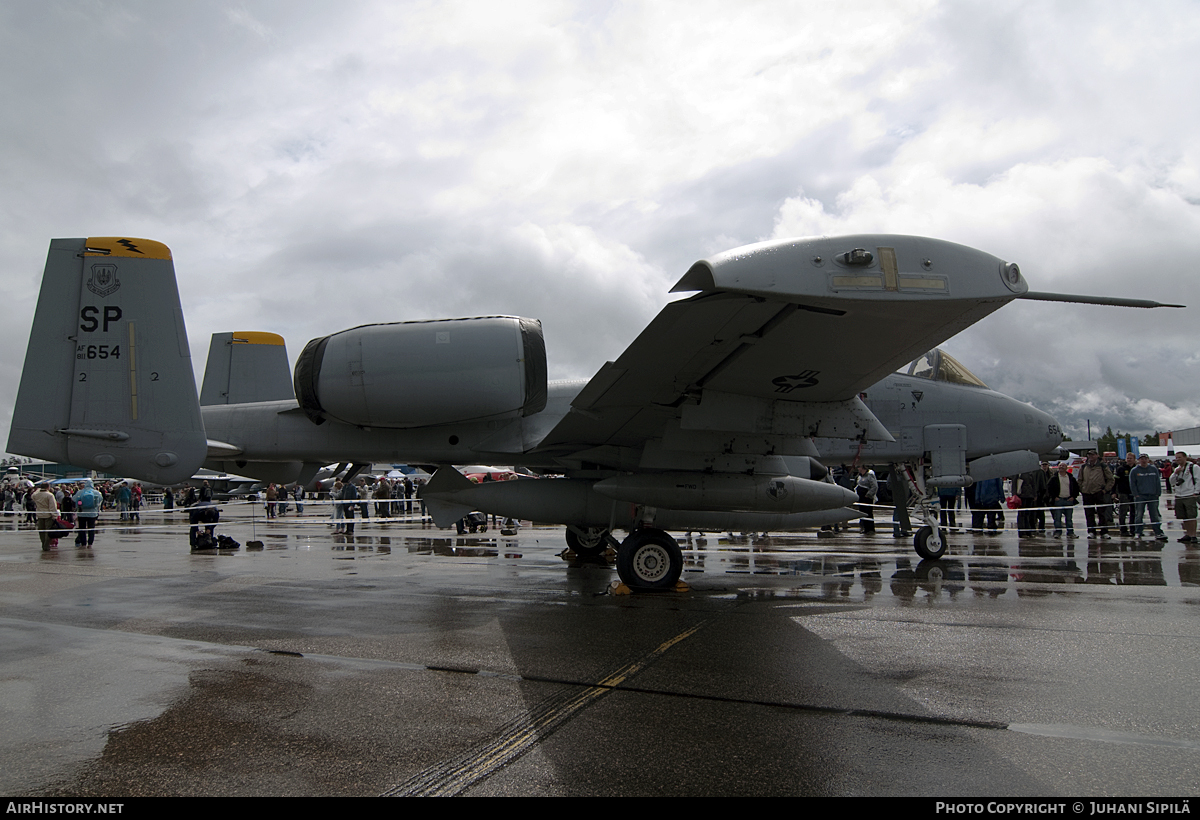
x: 276, y: 438
x: 906, y: 405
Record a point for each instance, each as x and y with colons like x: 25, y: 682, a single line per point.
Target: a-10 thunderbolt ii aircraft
x: 715, y: 417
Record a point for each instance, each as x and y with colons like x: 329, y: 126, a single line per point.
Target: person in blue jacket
x: 987, y: 501
x: 1145, y: 487
x: 87, y: 511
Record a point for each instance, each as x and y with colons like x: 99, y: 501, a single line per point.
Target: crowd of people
x: 390, y: 496
x: 127, y: 499
x: 1121, y: 496
x: 1118, y: 495
x: 57, y: 509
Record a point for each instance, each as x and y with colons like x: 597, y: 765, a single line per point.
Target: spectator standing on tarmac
x: 1145, y: 488
x: 898, y: 484
x: 867, y: 489
x: 124, y: 499
x: 1185, y: 479
x: 1030, y: 487
x: 1122, y: 495
x: 87, y: 505
x: 30, y: 509
x: 1064, y: 494
x: 1096, y: 483
x: 397, y: 496
x: 986, y: 502
x: 337, y: 506
x: 1039, y: 517
x: 46, y: 508
x: 382, y: 496
x: 947, y: 503
x: 349, y: 498
x: 67, y: 505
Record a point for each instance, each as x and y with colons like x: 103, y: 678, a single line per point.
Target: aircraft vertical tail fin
x: 108, y: 383
x: 246, y: 366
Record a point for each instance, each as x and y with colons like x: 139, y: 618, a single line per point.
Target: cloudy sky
x: 315, y: 165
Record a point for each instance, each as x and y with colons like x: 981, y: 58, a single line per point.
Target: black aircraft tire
x: 591, y: 544
x: 649, y: 559
x: 926, y: 547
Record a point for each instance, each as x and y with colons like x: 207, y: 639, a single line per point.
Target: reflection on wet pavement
x: 406, y: 659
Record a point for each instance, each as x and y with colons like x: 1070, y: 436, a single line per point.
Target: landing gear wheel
x: 649, y: 559
x: 587, y: 542
x: 929, y: 544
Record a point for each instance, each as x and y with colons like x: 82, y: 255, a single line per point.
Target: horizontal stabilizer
x: 108, y: 383
x: 244, y: 367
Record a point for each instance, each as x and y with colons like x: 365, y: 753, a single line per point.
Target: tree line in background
x: 1108, y: 442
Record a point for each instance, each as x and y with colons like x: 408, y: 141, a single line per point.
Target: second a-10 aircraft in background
x: 717, y: 416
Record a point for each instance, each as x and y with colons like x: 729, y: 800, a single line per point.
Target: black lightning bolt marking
x: 128, y: 245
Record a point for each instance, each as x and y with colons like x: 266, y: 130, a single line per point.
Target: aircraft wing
x: 782, y: 337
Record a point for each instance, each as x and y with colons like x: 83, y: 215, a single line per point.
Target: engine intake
x: 415, y: 374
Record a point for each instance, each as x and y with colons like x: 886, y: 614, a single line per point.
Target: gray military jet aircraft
x: 714, y: 417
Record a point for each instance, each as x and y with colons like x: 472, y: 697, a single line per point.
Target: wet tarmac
x: 408, y: 660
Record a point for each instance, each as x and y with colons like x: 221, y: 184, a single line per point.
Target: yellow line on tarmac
x: 455, y: 775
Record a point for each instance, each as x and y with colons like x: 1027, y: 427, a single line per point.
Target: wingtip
x: 698, y: 277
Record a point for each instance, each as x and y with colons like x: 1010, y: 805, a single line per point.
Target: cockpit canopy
x: 938, y: 365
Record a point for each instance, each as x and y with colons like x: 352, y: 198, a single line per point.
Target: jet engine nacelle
x: 414, y: 374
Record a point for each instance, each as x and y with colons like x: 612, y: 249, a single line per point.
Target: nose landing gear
x: 929, y: 543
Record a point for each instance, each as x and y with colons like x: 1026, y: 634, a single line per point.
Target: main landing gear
x: 647, y: 559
